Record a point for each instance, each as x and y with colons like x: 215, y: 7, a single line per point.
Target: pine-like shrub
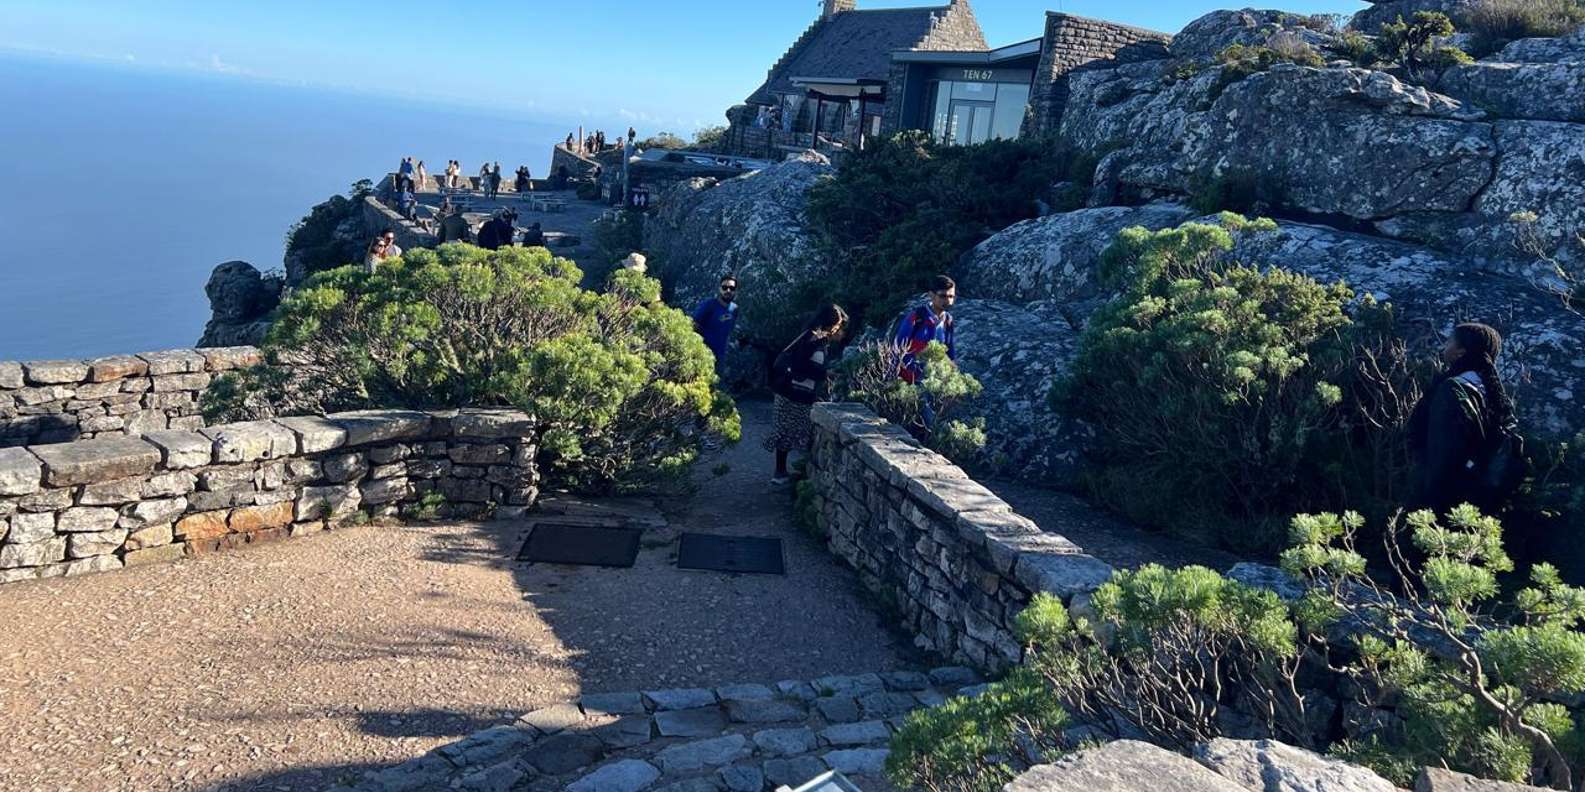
x: 869, y: 374
x: 620, y: 384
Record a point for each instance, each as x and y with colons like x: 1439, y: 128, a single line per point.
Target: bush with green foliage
x: 710, y: 138
x: 1241, y: 60
x: 1414, y: 44
x: 312, y: 242
x: 1235, y: 190
x: 615, y: 236
x: 1202, y: 381
x: 979, y: 743
x: 905, y: 209
x: 1165, y: 650
x: 869, y: 374
x: 1477, y: 680
x: 620, y: 384
x: 1492, y: 24
x: 662, y: 140
x: 1354, y: 47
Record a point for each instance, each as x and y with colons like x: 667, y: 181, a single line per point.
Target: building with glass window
x: 856, y: 74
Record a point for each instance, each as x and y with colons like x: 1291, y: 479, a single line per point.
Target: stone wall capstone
x: 58, y: 401
x: 102, y: 504
x: 953, y: 559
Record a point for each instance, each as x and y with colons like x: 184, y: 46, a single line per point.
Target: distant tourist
x: 632, y: 134
x: 497, y: 232
x: 524, y: 182
x: 533, y: 236
x: 406, y: 201
x: 405, y: 169
x: 421, y: 175
x: 453, y: 226
x: 921, y: 325
x: 381, y: 249
x: 715, y: 317
x: 484, y: 178
x: 798, y: 378
x: 568, y: 144
x: 1455, y: 428
x: 495, y: 180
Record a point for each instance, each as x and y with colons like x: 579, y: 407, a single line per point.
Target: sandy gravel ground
x: 300, y: 664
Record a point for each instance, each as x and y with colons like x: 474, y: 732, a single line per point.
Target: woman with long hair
x: 1452, y: 428
x: 798, y: 378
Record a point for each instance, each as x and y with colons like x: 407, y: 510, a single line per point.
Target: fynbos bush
x: 870, y: 374
x: 620, y: 384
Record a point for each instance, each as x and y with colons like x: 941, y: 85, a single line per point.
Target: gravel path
x: 300, y: 664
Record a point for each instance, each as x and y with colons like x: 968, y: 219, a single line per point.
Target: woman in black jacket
x: 798, y: 378
x: 1450, y: 428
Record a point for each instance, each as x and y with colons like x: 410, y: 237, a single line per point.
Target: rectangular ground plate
x: 730, y: 554
x: 585, y: 545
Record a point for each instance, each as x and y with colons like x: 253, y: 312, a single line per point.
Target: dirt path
x: 301, y: 664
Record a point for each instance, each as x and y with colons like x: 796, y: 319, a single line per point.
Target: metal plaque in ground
x: 731, y: 554
x: 584, y: 545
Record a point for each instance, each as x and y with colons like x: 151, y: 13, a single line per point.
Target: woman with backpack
x: 798, y: 379
x: 1462, y: 436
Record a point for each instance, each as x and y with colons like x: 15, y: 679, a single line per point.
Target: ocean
x: 128, y: 186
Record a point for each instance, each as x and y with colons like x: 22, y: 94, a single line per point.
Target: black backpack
x: 1504, y: 465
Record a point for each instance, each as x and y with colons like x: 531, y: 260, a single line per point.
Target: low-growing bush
x: 1238, y: 191
x: 615, y: 236
x: 1476, y: 680
x: 905, y: 209
x: 710, y: 138
x: 620, y: 384
x: 1356, y: 48
x: 1492, y: 24
x: 979, y: 743
x: 1241, y: 60
x: 869, y: 374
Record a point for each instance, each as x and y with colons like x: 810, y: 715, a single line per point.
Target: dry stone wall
x: 1072, y: 42
x: 954, y: 561
x: 101, y: 504
x: 57, y: 401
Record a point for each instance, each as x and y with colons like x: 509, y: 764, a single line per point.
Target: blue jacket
x: 918, y: 327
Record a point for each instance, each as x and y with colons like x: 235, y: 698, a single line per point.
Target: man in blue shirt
x: 714, y: 319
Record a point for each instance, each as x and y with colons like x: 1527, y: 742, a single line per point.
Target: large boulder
x: 240, y: 300
x: 1122, y: 766
x: 1271, y: 766
x: 1018, y: 352
x: 1206, y: 37
x: 1563, y: 49
x: 753, y: 226
x: 1540, y: 91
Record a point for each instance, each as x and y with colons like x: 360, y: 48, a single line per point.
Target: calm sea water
x: 125, y: 188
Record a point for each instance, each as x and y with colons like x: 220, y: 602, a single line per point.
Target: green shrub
x: 1413, y: 44
x: 663, y: 140
x: 710, y: 138
x: 1492, y: 24
x: 1239, y: 191
x: 312, y: 244
x: 1241, y: 60
x: 1201, y: 382
x: 869, y: 374
x: 1354, y: 47
x: 980, y: 743
x: 429, y: 506
x: 1474, y: 681
x: 617, y: 381
x: 1165, y: 650
x: 806, y: 512
x: 905, y: 209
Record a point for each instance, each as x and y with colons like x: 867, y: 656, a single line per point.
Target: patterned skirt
x: 792, y: 429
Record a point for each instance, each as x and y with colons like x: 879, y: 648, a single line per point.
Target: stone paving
x: 736, y: 738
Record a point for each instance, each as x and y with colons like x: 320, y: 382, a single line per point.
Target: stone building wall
x: 57, y: 401
x: 101, y: 504
x: 1072, y: 42
x: 957, y: 30
x: 954, y: 560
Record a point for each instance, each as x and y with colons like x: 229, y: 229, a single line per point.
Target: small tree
x: 1478, y: 686
x: 709, y: 138
x: 1414, y: 46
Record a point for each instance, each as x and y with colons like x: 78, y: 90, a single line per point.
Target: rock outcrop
x: 1223, y: 766
x: 1350, y: 146
x: 1038, y: 283
x: 240, y: 301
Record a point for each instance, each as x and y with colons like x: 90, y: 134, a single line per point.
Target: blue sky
x: 673, y: 66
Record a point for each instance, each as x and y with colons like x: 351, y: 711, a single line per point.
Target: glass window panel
x: 1011, y: 100
x: 942, y: 105
x: 980, y: 92
x: 982, y: 124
